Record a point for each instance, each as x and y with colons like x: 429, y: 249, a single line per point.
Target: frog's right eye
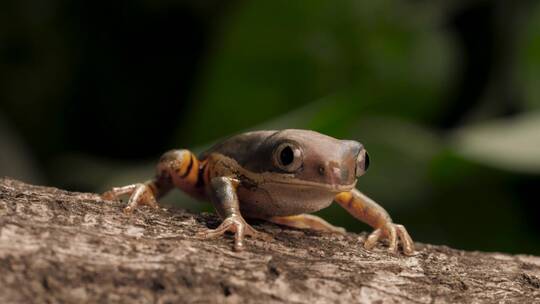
x: 288, y: 157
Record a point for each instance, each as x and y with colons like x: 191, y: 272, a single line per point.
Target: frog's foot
x: 306, y: 221
x: 116, y: 192
x: 392, y: 232
x: 237, y: 225
x: 141, y: 194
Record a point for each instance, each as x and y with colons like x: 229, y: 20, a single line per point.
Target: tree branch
x: 71, y: 247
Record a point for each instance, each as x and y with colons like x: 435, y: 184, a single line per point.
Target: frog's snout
x: 362, y: 163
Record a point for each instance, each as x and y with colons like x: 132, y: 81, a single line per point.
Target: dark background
x: 444, y: 94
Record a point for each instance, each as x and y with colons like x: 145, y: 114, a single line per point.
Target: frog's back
x: 239, y: 147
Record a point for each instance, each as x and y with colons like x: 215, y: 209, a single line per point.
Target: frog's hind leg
x: 306, y: 221
x: 140, y: 194
x: 175, y: 168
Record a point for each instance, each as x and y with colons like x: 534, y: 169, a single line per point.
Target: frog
x: 279, y: 176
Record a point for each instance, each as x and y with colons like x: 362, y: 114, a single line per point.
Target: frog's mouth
x: 336, y: 188
x: 291, y: 181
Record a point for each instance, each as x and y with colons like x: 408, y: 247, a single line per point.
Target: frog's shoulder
x: 241, y: 146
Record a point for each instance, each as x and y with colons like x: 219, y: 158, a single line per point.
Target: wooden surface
x: 59, y: 246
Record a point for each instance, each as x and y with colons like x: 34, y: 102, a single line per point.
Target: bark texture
x: 59, y: 246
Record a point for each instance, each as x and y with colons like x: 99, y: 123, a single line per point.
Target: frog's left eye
x: 288, y: 157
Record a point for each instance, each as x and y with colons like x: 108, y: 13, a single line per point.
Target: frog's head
x: 307, y: 158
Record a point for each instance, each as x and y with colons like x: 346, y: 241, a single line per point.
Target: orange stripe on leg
x: 192, y: 171
x: 183, y: 169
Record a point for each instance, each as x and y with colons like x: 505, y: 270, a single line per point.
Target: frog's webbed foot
x: 237, y: 225
x: 392, y: 232
x: 141, y: 194
x: 223, y: 195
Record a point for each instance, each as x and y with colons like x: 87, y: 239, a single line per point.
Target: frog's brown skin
x: 272, y: 175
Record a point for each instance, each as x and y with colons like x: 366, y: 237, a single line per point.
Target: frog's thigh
x: 306, y: 221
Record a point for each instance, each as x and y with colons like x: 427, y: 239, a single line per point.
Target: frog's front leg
x: 223, y: 195
x: 371, y: 213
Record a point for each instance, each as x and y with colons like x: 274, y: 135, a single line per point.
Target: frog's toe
x: 372, y: 239
x: 395, y: 234
x: 233, y: 224
x: 250, y: 231
x: 140, y: 194
x: 109, y: 195
x: 392, y: 238
x: 406, y: 240
x: 239, y: 227
x: 128, y: 210
x: 213, y: 233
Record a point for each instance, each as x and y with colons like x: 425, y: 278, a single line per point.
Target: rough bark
x: 59, y: 246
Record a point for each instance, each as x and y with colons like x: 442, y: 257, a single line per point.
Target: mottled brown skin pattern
x: 278, y: 176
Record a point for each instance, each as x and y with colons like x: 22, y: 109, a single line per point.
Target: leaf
x: 510, y: 144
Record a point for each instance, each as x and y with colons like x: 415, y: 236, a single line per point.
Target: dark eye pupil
x: 286, y: 156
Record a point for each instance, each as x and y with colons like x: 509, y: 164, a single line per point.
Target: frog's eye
x: 288, y: 157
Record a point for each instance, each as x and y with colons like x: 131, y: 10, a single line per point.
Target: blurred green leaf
x: 509, y: 144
